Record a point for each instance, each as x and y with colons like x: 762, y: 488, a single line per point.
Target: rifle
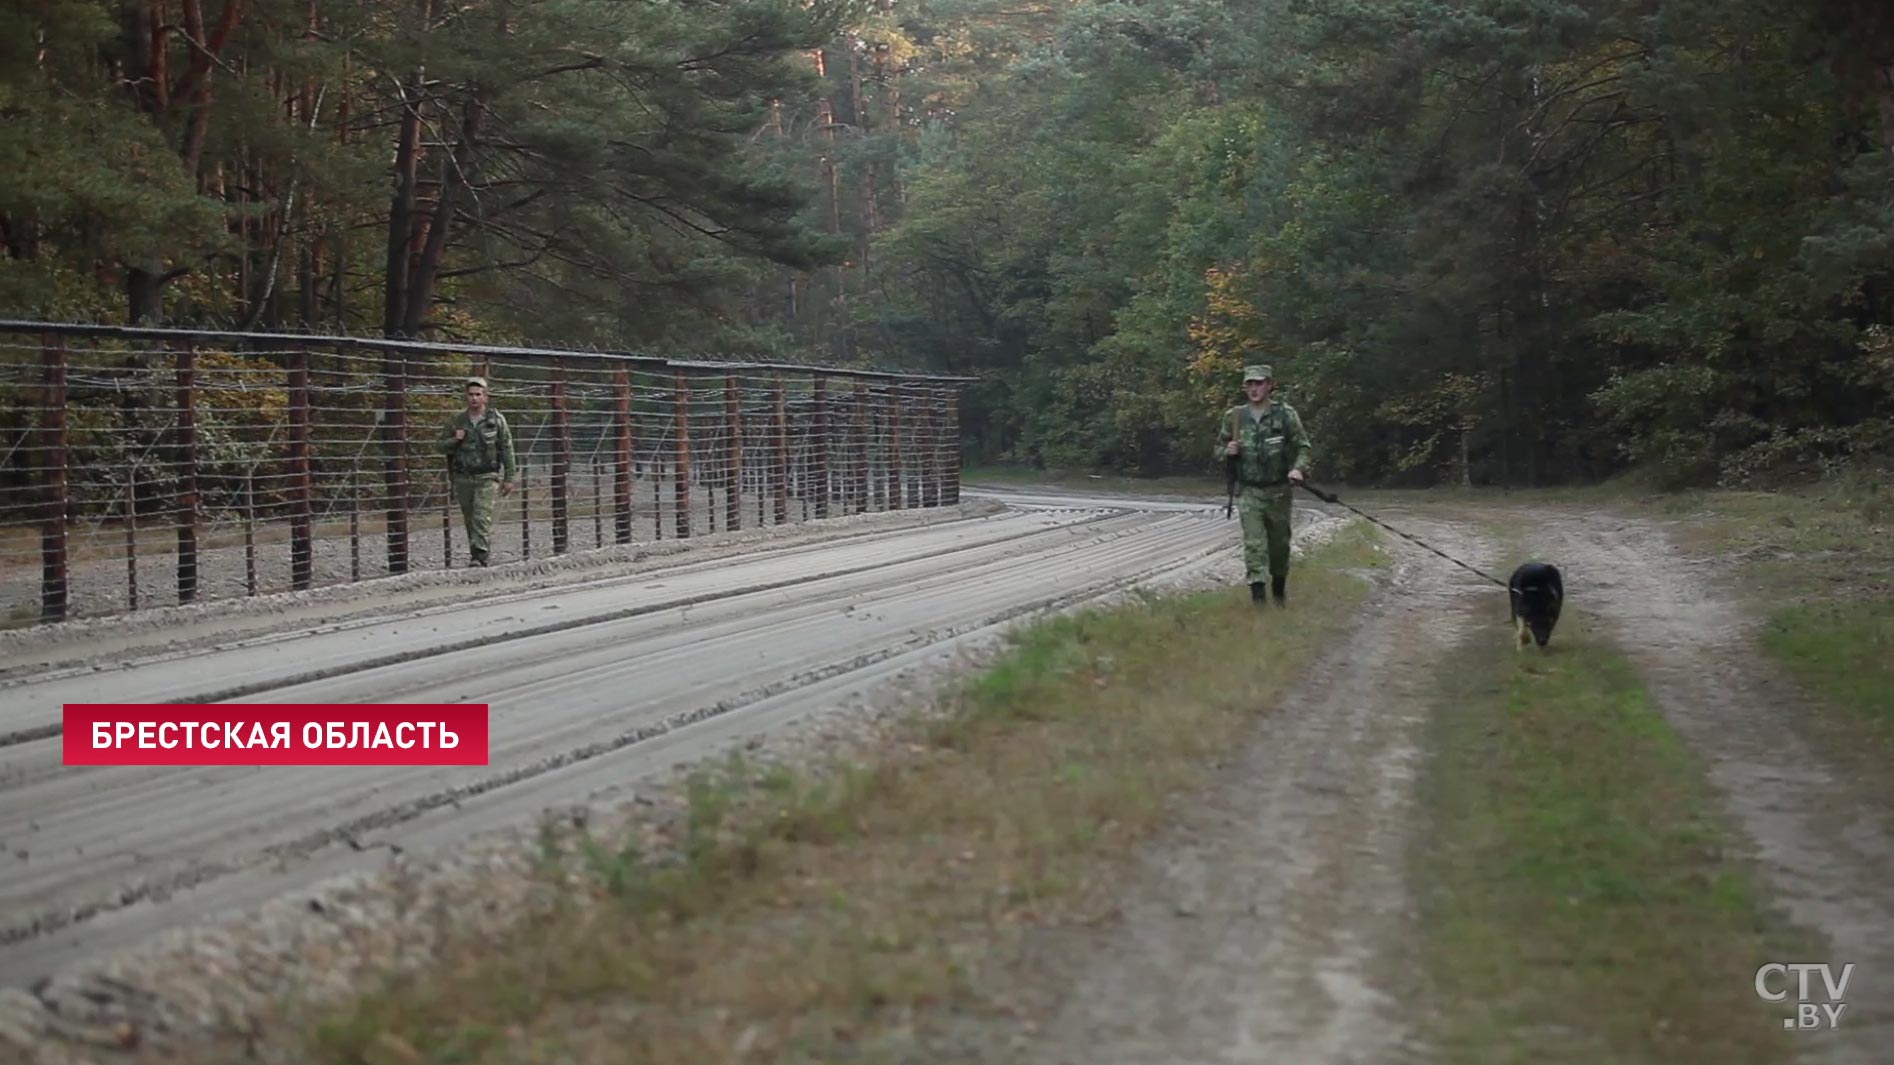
x: 1229, y: 484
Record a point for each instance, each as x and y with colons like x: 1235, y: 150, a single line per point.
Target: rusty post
x: 937, y: 447
x: 53, y: 587
x: 561, y: 460
x: 819, y: 450
x: 782, y: 454
x: 953, y: 446
x: 878, y: 444
x: 930, y: 458
x: 733, y: 467
x: 845, y: 433
x: 131, y: 537
x: 911, y: 446
x: 656, y: 432
x: 805, y: 472
x: 187, y: 473
x: 301, y: 484
x: 395, y: 442
x: 864, y: 450
x: 249, y: 530
x: 621, y: 485
x: 682, y: 449
x: 895, y: 502
x: 598, y: 505
x: 942, y: 437
x: 852, y: 435
x: 355, y: 530
x: 657, y: 480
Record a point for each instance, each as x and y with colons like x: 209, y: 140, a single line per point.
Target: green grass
x: 809, y: 914
x: 1581, y: 898
x: 1817, y: 564
x: 1843, y: 650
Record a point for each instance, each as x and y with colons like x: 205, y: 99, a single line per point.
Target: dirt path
x: 1270, y: 925
x: 1825, y: 850
x: 1261, y: 930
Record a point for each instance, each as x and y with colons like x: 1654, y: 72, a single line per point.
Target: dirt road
x: 1261, y: 930
x: 1825, y: 847
x: 590, y: 687
x: 1271, y: 925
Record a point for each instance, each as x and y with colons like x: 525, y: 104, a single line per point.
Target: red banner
x: 281, y: 734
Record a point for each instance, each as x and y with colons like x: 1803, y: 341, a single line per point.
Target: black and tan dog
x: 1537, y: 591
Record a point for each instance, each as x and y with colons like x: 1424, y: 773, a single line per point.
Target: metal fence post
x: 733, y: 468
x: 953, y: 446
x: 131, y: 537
x: 621, y: 486
x: 561, y: 460
x: 782, y: 454
x: 186, y: 357
x: 395, y: 440
x: 858, y: 445
x: 930, y: 453
x: 819, y: 449
x: 301, y: 485
x: 895, y: 502
x: 682, y: 449
x: 53, y: 589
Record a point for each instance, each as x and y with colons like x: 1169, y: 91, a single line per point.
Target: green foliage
x: 1520, y: 241
x: 237, y: 162
x: 1571, y: 237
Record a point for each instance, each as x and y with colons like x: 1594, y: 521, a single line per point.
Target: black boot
x: 1256, y: 593
x: 1279, y: 586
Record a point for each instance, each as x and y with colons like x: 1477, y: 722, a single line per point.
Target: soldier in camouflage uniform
x: 1272, y: 452
x: 479, y: 449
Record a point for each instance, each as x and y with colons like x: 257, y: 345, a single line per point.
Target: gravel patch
x: 97, y: 584
x: 83, y: 641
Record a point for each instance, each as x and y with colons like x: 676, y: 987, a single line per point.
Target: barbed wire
x: 137, y: 475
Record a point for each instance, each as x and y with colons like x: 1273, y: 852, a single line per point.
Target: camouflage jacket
x: 1272, y: 445
x: 487, y: 449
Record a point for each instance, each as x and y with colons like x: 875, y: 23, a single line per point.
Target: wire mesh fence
x: 145, y: 467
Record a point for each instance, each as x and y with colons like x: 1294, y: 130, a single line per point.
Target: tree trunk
x: 401, y: 213
x: 456, y: 167
x: 144, y: 294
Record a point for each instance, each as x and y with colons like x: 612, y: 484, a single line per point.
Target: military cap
x: 1257, y: 371
x: 472, y: 381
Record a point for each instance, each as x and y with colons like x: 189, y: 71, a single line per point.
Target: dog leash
x: 1330, y: 497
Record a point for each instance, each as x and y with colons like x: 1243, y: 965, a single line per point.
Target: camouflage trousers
x: 1265, y: 514
x: 476, y: 496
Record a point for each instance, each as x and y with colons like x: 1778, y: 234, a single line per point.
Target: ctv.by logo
x: 1807, y: 1014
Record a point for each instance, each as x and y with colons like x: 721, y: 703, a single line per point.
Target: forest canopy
x: 1510, y: 241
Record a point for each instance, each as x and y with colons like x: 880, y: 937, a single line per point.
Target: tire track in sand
x: 1823, y: 848
x: 1261, y: 929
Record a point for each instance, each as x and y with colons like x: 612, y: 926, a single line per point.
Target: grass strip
x: 1581, y: 899
x: 1818, y: 565
x: 814, y: 913
x: 1843, y: 650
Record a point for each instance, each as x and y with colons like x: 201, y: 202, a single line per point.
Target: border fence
x: 157, y: 467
